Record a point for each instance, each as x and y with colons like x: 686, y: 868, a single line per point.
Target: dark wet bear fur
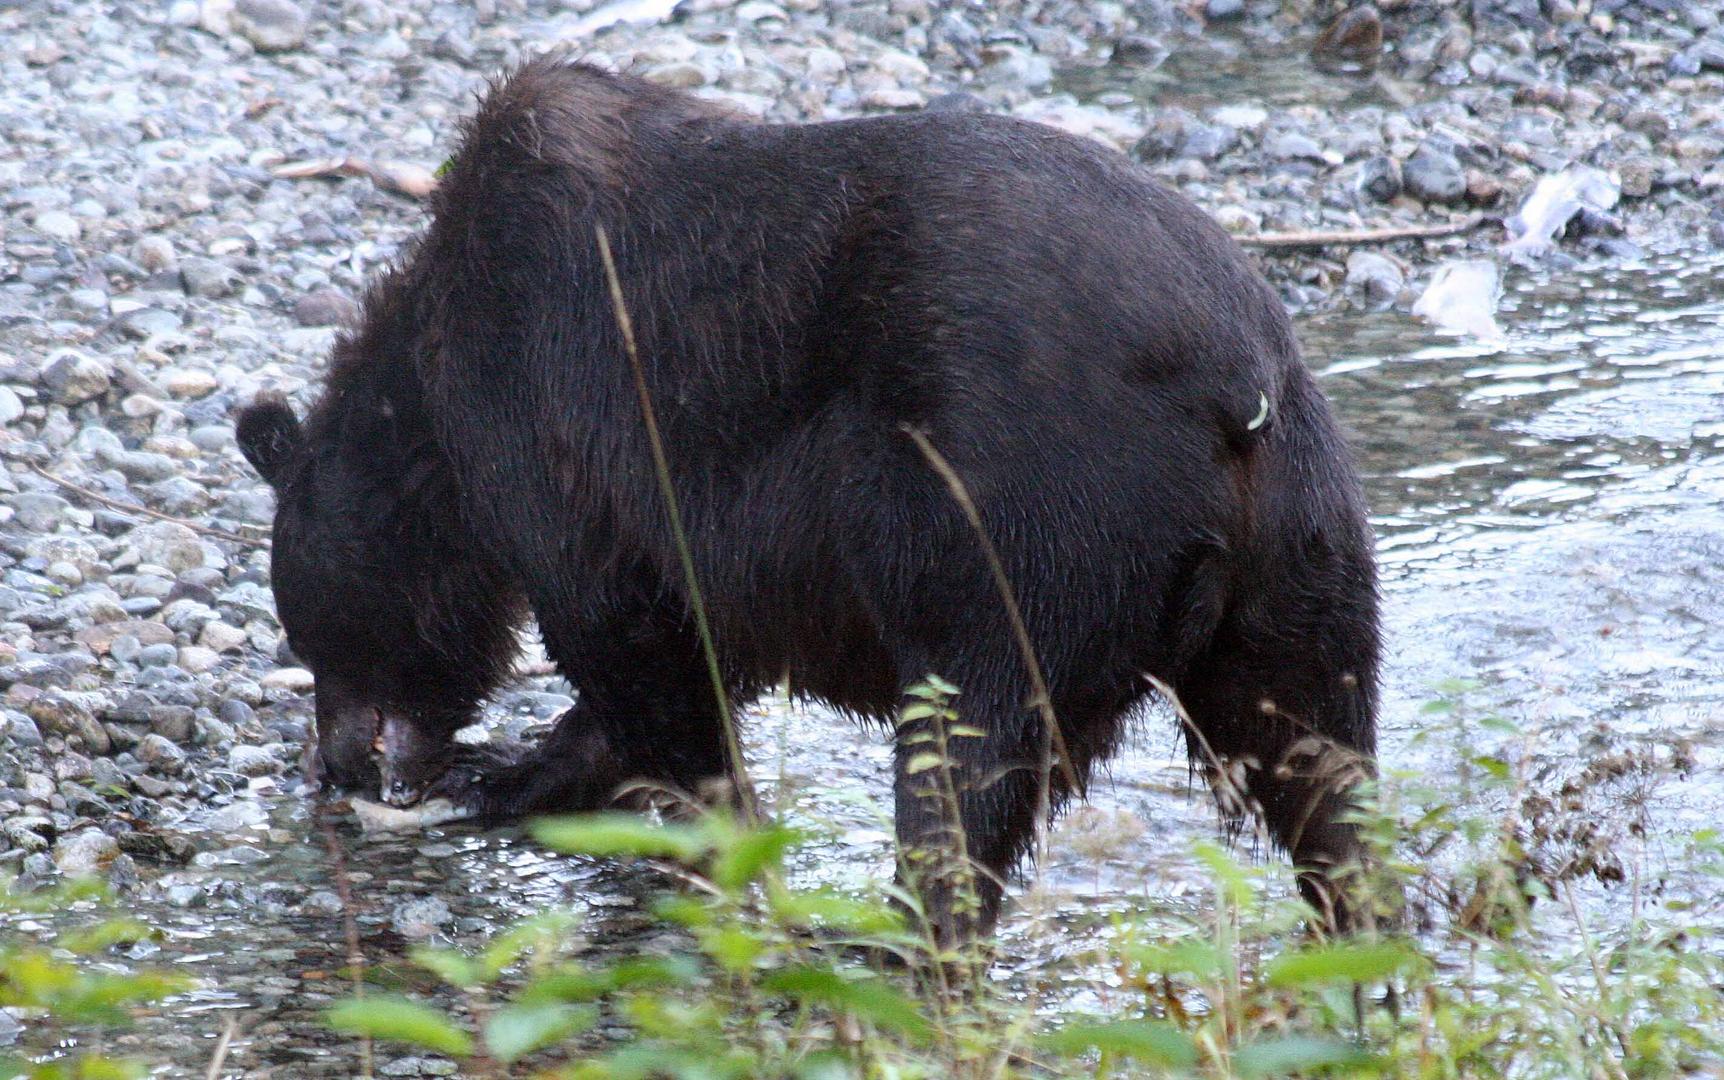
x: 1118, y: 389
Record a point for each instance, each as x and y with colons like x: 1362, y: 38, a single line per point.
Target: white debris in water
x: 1554, y: 200
x: 1462, y: 297
x: 377, y: 817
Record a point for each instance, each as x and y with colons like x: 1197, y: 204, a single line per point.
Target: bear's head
x: 370, y: 597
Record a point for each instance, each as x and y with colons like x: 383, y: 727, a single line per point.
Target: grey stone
x: 1380, y: 178
x: 325, y: 307
x: 179, y: 495
x: 85, y: 853
x: 293, y: 680
x: 167, y: 544
x: 242, y: 815
x: 247, y: 601
x: 147, y: 322
x: 961, y: 101
x: 10, y: 1026
x: 1434, y: 174
x: 222, y: 637
x: 39, y: 510
x: 1293, y: 146
x: 158, y: 655
x: 420, y: 917
x: 58, y: 224
x: 188, y: 616
x: 160, y: 754
x: 142, y: 465
x: 237, y: 713
x: 270, y: 25
x: 252, y: 761
x: 154, y: 253
x: 19, y: 730
x: 11, y: 406
x: 73, y: 377
x: 207, y: 278
x: 185, y: 895
x: 174, y: 722
x: 214, y: 732
x: 198, y: 660
x: 1207, y: 142
x: 1377, y: 278
x: 30, y: 832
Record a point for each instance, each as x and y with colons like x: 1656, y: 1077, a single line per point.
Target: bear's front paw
x: 488, y: 787
x: 458, y: 766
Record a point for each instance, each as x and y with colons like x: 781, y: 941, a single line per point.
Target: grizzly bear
x: 1117, y: 392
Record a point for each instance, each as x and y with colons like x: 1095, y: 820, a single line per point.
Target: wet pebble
x: 85, y: 853
x: 162, y: 755
x: 1433, y: 173
x: 1375, y: 278
x: 155, y: 252
x: 19, y: 730
x: 250, y: 760
x: 175, y: 723
x: 1352, y: 42
x: 239, y: 816
x: 421, y: 917
x: 418, y: 1066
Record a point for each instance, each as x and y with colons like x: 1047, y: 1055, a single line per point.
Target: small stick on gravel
x: 401, y: 177
x: 133, y: 508
x: 1349, y: 237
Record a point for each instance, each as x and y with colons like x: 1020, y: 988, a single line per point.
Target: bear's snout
x: 348, y: 730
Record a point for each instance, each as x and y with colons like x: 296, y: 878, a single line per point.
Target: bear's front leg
x: 572, y: 768
x: 411, y: 758
x: 597, y: 749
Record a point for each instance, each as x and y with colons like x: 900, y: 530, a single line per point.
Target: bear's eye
x: 387, y: 409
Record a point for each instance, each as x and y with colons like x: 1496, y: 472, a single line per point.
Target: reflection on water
x: 1220, y: 69
x: 1606, y: 375
x: 1550, y: 521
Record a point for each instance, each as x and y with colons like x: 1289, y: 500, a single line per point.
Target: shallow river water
x: 1550, y: 521
x: 1550, y: 527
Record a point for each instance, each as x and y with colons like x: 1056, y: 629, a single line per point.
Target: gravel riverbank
x: 156, y: 273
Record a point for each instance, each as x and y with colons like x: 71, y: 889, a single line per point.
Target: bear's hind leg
x: 984, y: 791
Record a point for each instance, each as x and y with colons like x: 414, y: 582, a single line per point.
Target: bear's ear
x: 267, y: 433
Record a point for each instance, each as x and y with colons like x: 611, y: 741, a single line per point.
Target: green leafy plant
x: 1492, y: 972
x: 62, y: 988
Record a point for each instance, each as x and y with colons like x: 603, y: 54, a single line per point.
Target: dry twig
x: 123, y: 507
x: 401, y: 177
x: 219, y: 1058
x: 1352, y: 237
